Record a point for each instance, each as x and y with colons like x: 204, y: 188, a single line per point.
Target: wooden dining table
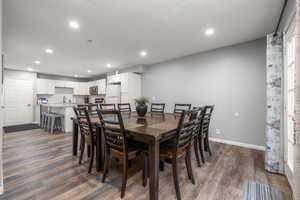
x: 154, y: 129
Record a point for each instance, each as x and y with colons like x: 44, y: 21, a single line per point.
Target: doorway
x: 18, y: 99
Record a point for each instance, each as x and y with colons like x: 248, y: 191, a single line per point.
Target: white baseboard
x: 240, y: 144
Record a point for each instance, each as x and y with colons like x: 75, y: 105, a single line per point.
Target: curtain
x: 274, y: 161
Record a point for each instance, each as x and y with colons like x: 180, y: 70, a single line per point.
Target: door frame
x: 290, y: 32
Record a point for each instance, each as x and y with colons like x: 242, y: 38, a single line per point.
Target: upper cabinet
x: 113, y: 79
x: 45, y: 86
x: 59, y: 83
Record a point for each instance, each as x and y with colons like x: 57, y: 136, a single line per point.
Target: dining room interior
x: 136, y: 100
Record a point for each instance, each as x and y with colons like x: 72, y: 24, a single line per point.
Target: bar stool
x: 42, y: 120
x: 55, y: 122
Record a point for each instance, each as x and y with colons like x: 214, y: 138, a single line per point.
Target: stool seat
x: 53, y: 121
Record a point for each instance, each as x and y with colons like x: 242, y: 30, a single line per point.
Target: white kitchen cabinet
x: 113, y: 78
x: 124, y: 82
x: 45, y: 86
x: 70, y: 84
x: 76, y: 88
x: 59, y: 83
x: 92, y: 83
x: 101, y: 86
x: 83, y: 88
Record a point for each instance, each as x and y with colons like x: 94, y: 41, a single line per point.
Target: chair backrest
x: 113, y: 129
x: 178, y: 108
x: 108, y: 106
x: 91, y: 108
x: 206, y: 119
x: 186, y: 128
x: 199, y: 118
x: 124, y: 107
x: 84, y: 121
x: 158, y: 107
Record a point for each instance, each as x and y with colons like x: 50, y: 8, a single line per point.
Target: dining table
x: 153, y: 129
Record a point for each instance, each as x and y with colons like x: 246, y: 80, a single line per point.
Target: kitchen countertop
x: 58, y: 105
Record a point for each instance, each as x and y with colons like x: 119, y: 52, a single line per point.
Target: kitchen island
x: 64, y: 109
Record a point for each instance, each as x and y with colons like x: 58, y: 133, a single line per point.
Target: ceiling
x: 120, y: 29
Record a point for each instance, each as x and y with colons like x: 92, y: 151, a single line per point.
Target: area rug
x: 255, y: 191
x: 23, y: 127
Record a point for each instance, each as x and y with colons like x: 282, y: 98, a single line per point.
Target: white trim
x: 240, y: 144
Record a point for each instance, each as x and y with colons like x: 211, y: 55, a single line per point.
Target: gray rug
x: 23, y: 127
x: 255, y: 191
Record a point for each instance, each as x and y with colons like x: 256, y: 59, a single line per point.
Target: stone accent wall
x: 296, y: 177
x: 274, y: 154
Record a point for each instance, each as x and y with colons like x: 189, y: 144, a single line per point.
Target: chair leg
x: 92, y: 148
x: 82, y: 146
x: 52, y: 125
x: 124, y: 178
x: 201, y: 148
x: 106, y: 164
x: 145, y: 170
x: 129, y: 163
x: 189, y: 166
x: 197, y: 151
x: 161, y: 165
x: 89, y: 151
x: 175, y: 177
x: 207, y: 145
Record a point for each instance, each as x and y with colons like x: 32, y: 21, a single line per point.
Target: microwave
x: 94, y: 90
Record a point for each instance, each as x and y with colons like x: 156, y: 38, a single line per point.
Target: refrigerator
x: 113, y: 93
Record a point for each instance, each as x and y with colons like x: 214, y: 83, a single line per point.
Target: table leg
x: 154, y: 170
x: 99, y: 157
x: 75, y: 138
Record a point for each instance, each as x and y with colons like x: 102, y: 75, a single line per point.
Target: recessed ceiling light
x: 143, y: 53
x: 37, y: 62
x: 89, y: 71
x: 74, y: 24
x: 75, y: 75
x: 49, y: 51
x: 209, y: 31
x: 108, y: 65
x: 29, y: 69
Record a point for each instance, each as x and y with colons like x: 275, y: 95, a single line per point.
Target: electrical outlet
x: 218, y: 131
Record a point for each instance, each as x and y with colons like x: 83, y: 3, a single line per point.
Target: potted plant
x: 141, y: 106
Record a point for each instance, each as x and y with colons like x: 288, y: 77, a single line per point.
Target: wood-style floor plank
x: 38, y: 165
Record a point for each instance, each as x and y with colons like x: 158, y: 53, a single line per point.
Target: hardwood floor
x: 41, y: 166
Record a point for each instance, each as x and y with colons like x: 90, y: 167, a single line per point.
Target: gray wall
x: 231, y: 78
x: 288, y: 15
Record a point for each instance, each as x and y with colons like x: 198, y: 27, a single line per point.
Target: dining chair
x: 157, y: 107
x: 91, y: 108
x: 171, y: 151
x: 198, y: 147
x: 205, y: 127
x: 108, y: 106
x: 116, y: 141
x: 178, y: 108
x: 88, y: 134
x: 124, y: 107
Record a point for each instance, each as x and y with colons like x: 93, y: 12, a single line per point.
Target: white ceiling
x: 120, y: 29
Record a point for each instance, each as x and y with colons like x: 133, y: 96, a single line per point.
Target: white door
x: 18, y: 99
x: 289, y: 52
